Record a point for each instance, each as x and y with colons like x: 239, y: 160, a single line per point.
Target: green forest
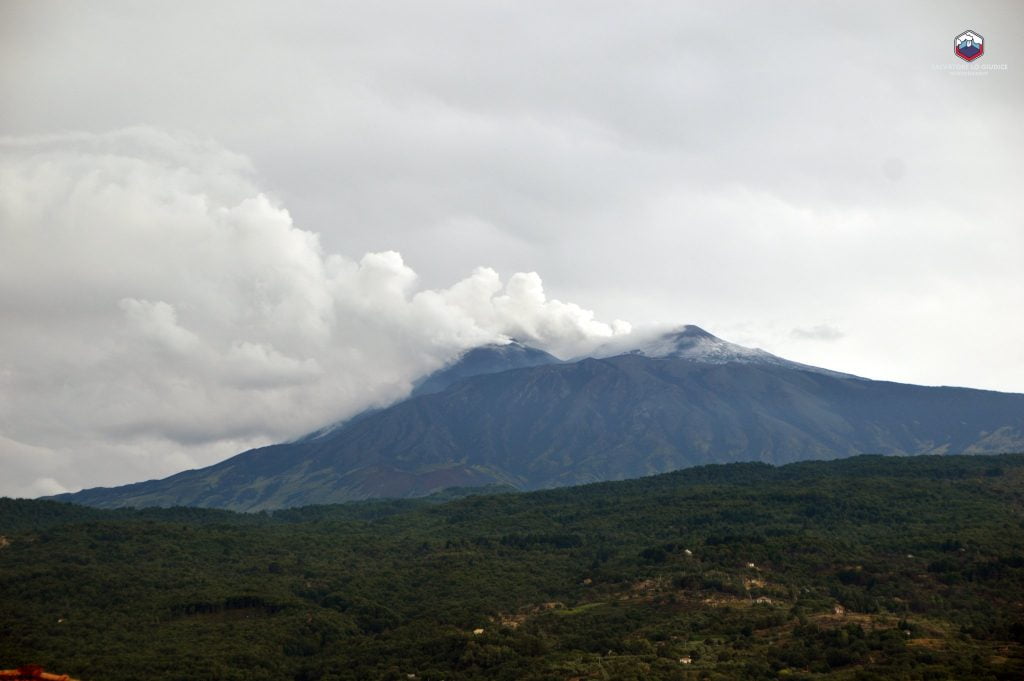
x: 862, y: 569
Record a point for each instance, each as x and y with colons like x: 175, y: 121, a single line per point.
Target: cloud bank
x: 161, y: 312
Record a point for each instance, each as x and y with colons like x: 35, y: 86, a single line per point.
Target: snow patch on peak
x: 693, y: 342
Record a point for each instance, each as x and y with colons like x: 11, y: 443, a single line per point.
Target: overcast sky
x: 226, y: 224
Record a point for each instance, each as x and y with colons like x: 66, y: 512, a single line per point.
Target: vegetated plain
x: 864, y: 568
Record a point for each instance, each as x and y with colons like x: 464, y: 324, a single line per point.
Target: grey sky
x: 800, y: 177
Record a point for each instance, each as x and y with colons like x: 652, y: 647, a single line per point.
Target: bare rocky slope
x: 513, y: 415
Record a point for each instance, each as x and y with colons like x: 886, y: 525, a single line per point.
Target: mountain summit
x: 486, y: 359
x: 514, y: 415
x: 692, y: 343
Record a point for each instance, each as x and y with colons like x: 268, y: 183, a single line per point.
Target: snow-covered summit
x: 693, y: 343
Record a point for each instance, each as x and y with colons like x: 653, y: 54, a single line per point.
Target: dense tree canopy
x: 867, y: 568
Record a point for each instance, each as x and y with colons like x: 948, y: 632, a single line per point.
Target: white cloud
x: 818, y: 332
x: 155, y: 297
x: 158, y: 322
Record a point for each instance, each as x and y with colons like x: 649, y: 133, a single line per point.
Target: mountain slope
x: 489, y: 359
x: 620, y: 417
x: 486, y: 359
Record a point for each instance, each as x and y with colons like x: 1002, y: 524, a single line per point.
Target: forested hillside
x: 865, y: 568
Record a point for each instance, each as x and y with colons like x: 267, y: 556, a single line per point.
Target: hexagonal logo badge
x: 969, y: 45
